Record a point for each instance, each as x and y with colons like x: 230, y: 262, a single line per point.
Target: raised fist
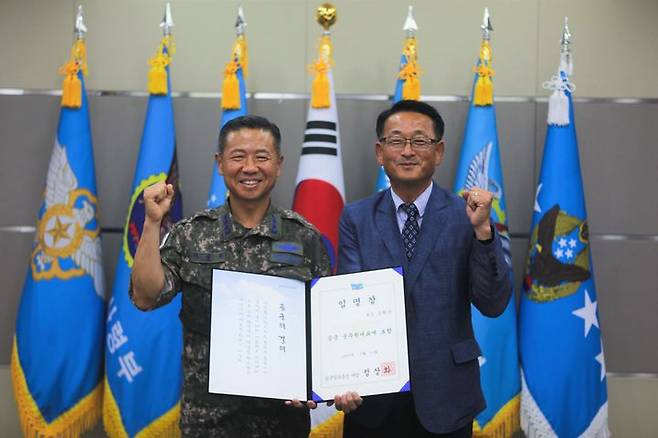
x: 157, y: 201
x: 478, y: 210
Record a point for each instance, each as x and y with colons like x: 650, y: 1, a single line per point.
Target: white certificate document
x: 257, y: 336
x: 359, y: 334
x: 280, y: 338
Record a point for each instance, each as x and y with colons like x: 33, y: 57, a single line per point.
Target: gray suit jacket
x: 449, y: 270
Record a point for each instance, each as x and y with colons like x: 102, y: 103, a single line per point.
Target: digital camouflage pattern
x: 284, y: 244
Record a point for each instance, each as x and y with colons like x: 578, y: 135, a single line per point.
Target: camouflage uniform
x: 283, y: 244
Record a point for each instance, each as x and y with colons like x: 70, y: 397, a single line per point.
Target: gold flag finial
x: 320, y: 88
x: 326, y: 15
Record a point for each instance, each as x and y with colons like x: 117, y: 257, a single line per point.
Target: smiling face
x: 250, y: 164
x: 408, y: 166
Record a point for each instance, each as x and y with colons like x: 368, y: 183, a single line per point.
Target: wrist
x: 151, y: 225
x: 484, y: 231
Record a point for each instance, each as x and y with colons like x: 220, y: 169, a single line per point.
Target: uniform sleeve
x: 321, y: 261
x: 171, y: 252
x: 490, y: 284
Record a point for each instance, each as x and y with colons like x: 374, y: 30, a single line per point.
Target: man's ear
x: 218, y: 159
x: 379, y: 153
x: 278, y: 172
x: 440, y: 148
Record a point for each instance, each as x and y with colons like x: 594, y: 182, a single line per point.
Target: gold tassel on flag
x: 320, y: 87
x: 503, y: 424
x: 231, y: 84
x: 231, y: 87
x: 411, y: 87
x: 483, y: 93
x: 157, y: 77
x: 72, y: 86
x: 410, y: 72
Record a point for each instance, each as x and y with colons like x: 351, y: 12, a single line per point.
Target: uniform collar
x: 270, y: 226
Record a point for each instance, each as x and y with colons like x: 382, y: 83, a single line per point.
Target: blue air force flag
x: 56, y: 363
x: 217, y: 193
x: 563, y: 368
x: 141, y: 392
x: 480, y: 166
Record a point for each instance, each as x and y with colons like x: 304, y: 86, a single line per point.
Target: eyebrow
x: 239, y: 150
x: 417, y: 131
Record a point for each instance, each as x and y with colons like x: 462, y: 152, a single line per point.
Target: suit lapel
x: 430, y: 230
x: 387, y: 226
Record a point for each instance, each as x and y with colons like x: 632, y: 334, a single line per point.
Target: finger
x: 339, y: 402
x: 169, y: 191
x: 295, y: 403
x: 311, y: 404
x: 353, y: 401
x: 155, y: 192
x: 330, y: 403
x: 471, y: 203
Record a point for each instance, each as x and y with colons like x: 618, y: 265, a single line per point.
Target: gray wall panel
x: 519, y: 253
x: 16, y: 248
x: 516, y: 135
x: 625, y: 273
x: 358, y: 137
x: 116, y: 124
x: 27, y: 133
x: 454, y: 115
x: 621, y: 166
x: 197, y: 124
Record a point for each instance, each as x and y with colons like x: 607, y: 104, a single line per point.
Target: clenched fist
x: 478, y: 210
x: 157, y: 201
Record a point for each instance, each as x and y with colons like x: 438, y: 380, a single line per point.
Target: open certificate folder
x: 284, y: 339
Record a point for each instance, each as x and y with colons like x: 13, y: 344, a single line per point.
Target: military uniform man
x: 246, y: 234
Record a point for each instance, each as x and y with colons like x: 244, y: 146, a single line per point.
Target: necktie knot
x: 411, y: 210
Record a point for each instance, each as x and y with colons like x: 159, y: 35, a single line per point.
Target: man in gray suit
x: 452, y: 258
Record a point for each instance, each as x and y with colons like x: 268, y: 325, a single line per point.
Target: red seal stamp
x: 388, y: 368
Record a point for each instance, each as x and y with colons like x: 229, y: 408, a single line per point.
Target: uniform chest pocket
x: 287, y: 259
x: 198, y: 269
x: 287, y: 253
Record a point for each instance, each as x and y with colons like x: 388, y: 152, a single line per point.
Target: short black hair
x: 249, y: 122
x: 412, y: 106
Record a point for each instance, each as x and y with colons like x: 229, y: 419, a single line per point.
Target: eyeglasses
x: 418, y: 142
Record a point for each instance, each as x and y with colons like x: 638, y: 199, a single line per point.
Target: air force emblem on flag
x: 67, y: 243
x: 559, y: 256
x: 478, y: 176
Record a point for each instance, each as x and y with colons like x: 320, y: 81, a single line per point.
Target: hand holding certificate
x: 281, y: 338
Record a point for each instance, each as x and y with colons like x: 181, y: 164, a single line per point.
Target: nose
x: 250, y: 164
x: 407, y: 150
